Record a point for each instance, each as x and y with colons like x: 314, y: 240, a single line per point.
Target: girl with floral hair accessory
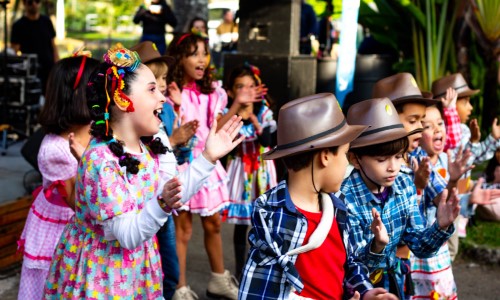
x: 204, y: 100
x: 249, y: 175
x: 109, y: 249
x: 64, y: 114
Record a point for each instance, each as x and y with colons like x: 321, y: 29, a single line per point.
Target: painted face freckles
x: 148, y: 102
x: 464, y: 109
x: 195, y: 63
x: 411, y: 117
x: 434, y: 134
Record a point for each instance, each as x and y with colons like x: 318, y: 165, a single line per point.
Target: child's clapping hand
x: 381, y: 238
x: 448, y: 209
x: 475, y: 131
x: 171, y: 194
x: 174, y: 93
x: 375, y: 294
x: 458, y: 167
x: 223, y: 141
x: 422, y: 172
x: 483, y: 196
x: 182, y: 134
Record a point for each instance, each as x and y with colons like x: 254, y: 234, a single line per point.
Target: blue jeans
x: 158, y: 39
x: 169, y: 260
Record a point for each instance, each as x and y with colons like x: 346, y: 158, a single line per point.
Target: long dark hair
x: 182, y: 47
x: 66, y: 106
x: 97, y: 99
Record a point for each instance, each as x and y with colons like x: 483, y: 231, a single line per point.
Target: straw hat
x: 149, y: 53
x: 455, y: 81
x: 400, y: 88
x: 383, y: 119
x: 310, y: 123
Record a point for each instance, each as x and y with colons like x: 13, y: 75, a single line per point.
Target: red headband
x: 80, y: 72
x: 185, y: 35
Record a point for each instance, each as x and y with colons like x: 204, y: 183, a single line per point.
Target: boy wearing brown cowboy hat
x: 300, y: 243
x: 481, y: 151
x: 377, y: 187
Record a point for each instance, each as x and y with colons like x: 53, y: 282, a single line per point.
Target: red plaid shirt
x: 453, y: 131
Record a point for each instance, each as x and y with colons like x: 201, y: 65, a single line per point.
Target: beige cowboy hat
x: 400, y: 88
x: 310, y: 123
x: 456, y: 81
x: 383, y: 119
x: 149, y: 53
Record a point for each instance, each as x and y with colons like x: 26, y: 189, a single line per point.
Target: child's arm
x: 451, y: 119
x: 484, y: 150
x: 458, y: 166
x: 381, y: 238
x: 241, y: 98
x: 422, y: 172
x: 181, y: 134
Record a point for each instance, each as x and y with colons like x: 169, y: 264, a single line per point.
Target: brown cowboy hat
x: 455, y: 81
x: 400, y: 88
x: 383, y: 119
x: 149, y: 53
x: 310, y: 123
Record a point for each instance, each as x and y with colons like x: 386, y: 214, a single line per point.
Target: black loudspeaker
x: 269, y: 27
x: 287, y: 77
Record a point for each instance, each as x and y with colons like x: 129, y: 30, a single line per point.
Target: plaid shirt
x: 436, y: 184
x: 401, y: 217
x: 277, y: 227
x: 453, y: 130
x: 481, y: 151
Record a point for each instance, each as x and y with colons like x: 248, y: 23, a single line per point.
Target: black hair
x: 97, y: 99
x: 302, y: 160
x: 489, y: 172
x: 65, y: 106
x: 237, y: 72
x: 195, y: 19
x: 383, y: 149
x: 181, y: 47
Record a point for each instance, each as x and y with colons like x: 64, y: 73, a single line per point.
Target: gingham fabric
x: 453, y: 130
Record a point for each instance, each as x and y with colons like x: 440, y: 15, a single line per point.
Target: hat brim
x: 379, y: 138
x: 345, y: 135
x: 467, y: 93
x: 169, y: 60
x: 422, y: 100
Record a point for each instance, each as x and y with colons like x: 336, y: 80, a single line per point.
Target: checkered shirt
x: 481, y: 151
x: 453, y: 130
x: 277, y: 227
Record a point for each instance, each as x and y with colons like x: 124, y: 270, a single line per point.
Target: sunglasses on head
x: 30, y: 2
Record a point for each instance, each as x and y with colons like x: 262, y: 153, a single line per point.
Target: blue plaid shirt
x: 481, y: 151
x: 400, y: 215
x: 277, y: 227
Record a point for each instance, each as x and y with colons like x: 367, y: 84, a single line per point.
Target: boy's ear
x: 353, y: 160
x: 324, y: 159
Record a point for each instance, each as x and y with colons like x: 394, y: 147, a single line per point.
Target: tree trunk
x: 490, y: 93
x: 185, y: 10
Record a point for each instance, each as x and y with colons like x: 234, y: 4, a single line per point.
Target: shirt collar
x: 365, y: 195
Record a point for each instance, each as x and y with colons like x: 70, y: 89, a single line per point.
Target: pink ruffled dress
x: 47, y: 217
x: 213, y: 195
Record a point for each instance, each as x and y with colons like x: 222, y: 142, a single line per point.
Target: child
x: 490, y: 211
x: 171, y: 136
x: 433, y: 276
x: 203, y: 100
x: 249, y: 175
x: 65, y: 111
x: 377, y: 186
x: 108, y: 250
x: 299, y: 239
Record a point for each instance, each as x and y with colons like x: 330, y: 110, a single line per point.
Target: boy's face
x: 381, y: 169
x: 336, y: 170
x: 434, y: 134
x: 411, y: 117
x: 162, y: 83
x: 464, y: 109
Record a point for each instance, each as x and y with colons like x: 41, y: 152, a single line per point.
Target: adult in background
x: 228, y: 31
x: 154, y: 15
x: 308, y: 27
x: 34, y: 33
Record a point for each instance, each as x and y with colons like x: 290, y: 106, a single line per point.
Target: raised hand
x: 458, y: 167
x: 483, y: 196
x: 447, y: 210
x: 174, y: 93
x: 378, y: 294
x: 223, y: 141
x: 495, y: 129
x: 381, y: 238
x: 75, y: 147
x: 255, y: 122
x: 422, y: 172
x: 475, y: 131
x: 171, y: 193
x: 450, y: 99
x: 182, y: 134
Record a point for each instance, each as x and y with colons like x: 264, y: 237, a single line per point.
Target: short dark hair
x: 302, y: 160
x: 383, y: 149
x: 65, y: 106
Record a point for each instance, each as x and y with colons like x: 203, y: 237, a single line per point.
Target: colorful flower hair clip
x: 255, y: 70
x: 123, y: 58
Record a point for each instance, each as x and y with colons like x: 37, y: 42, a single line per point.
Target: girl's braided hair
x: 108, y: 85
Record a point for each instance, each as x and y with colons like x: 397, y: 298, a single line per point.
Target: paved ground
x: 474, y: 281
